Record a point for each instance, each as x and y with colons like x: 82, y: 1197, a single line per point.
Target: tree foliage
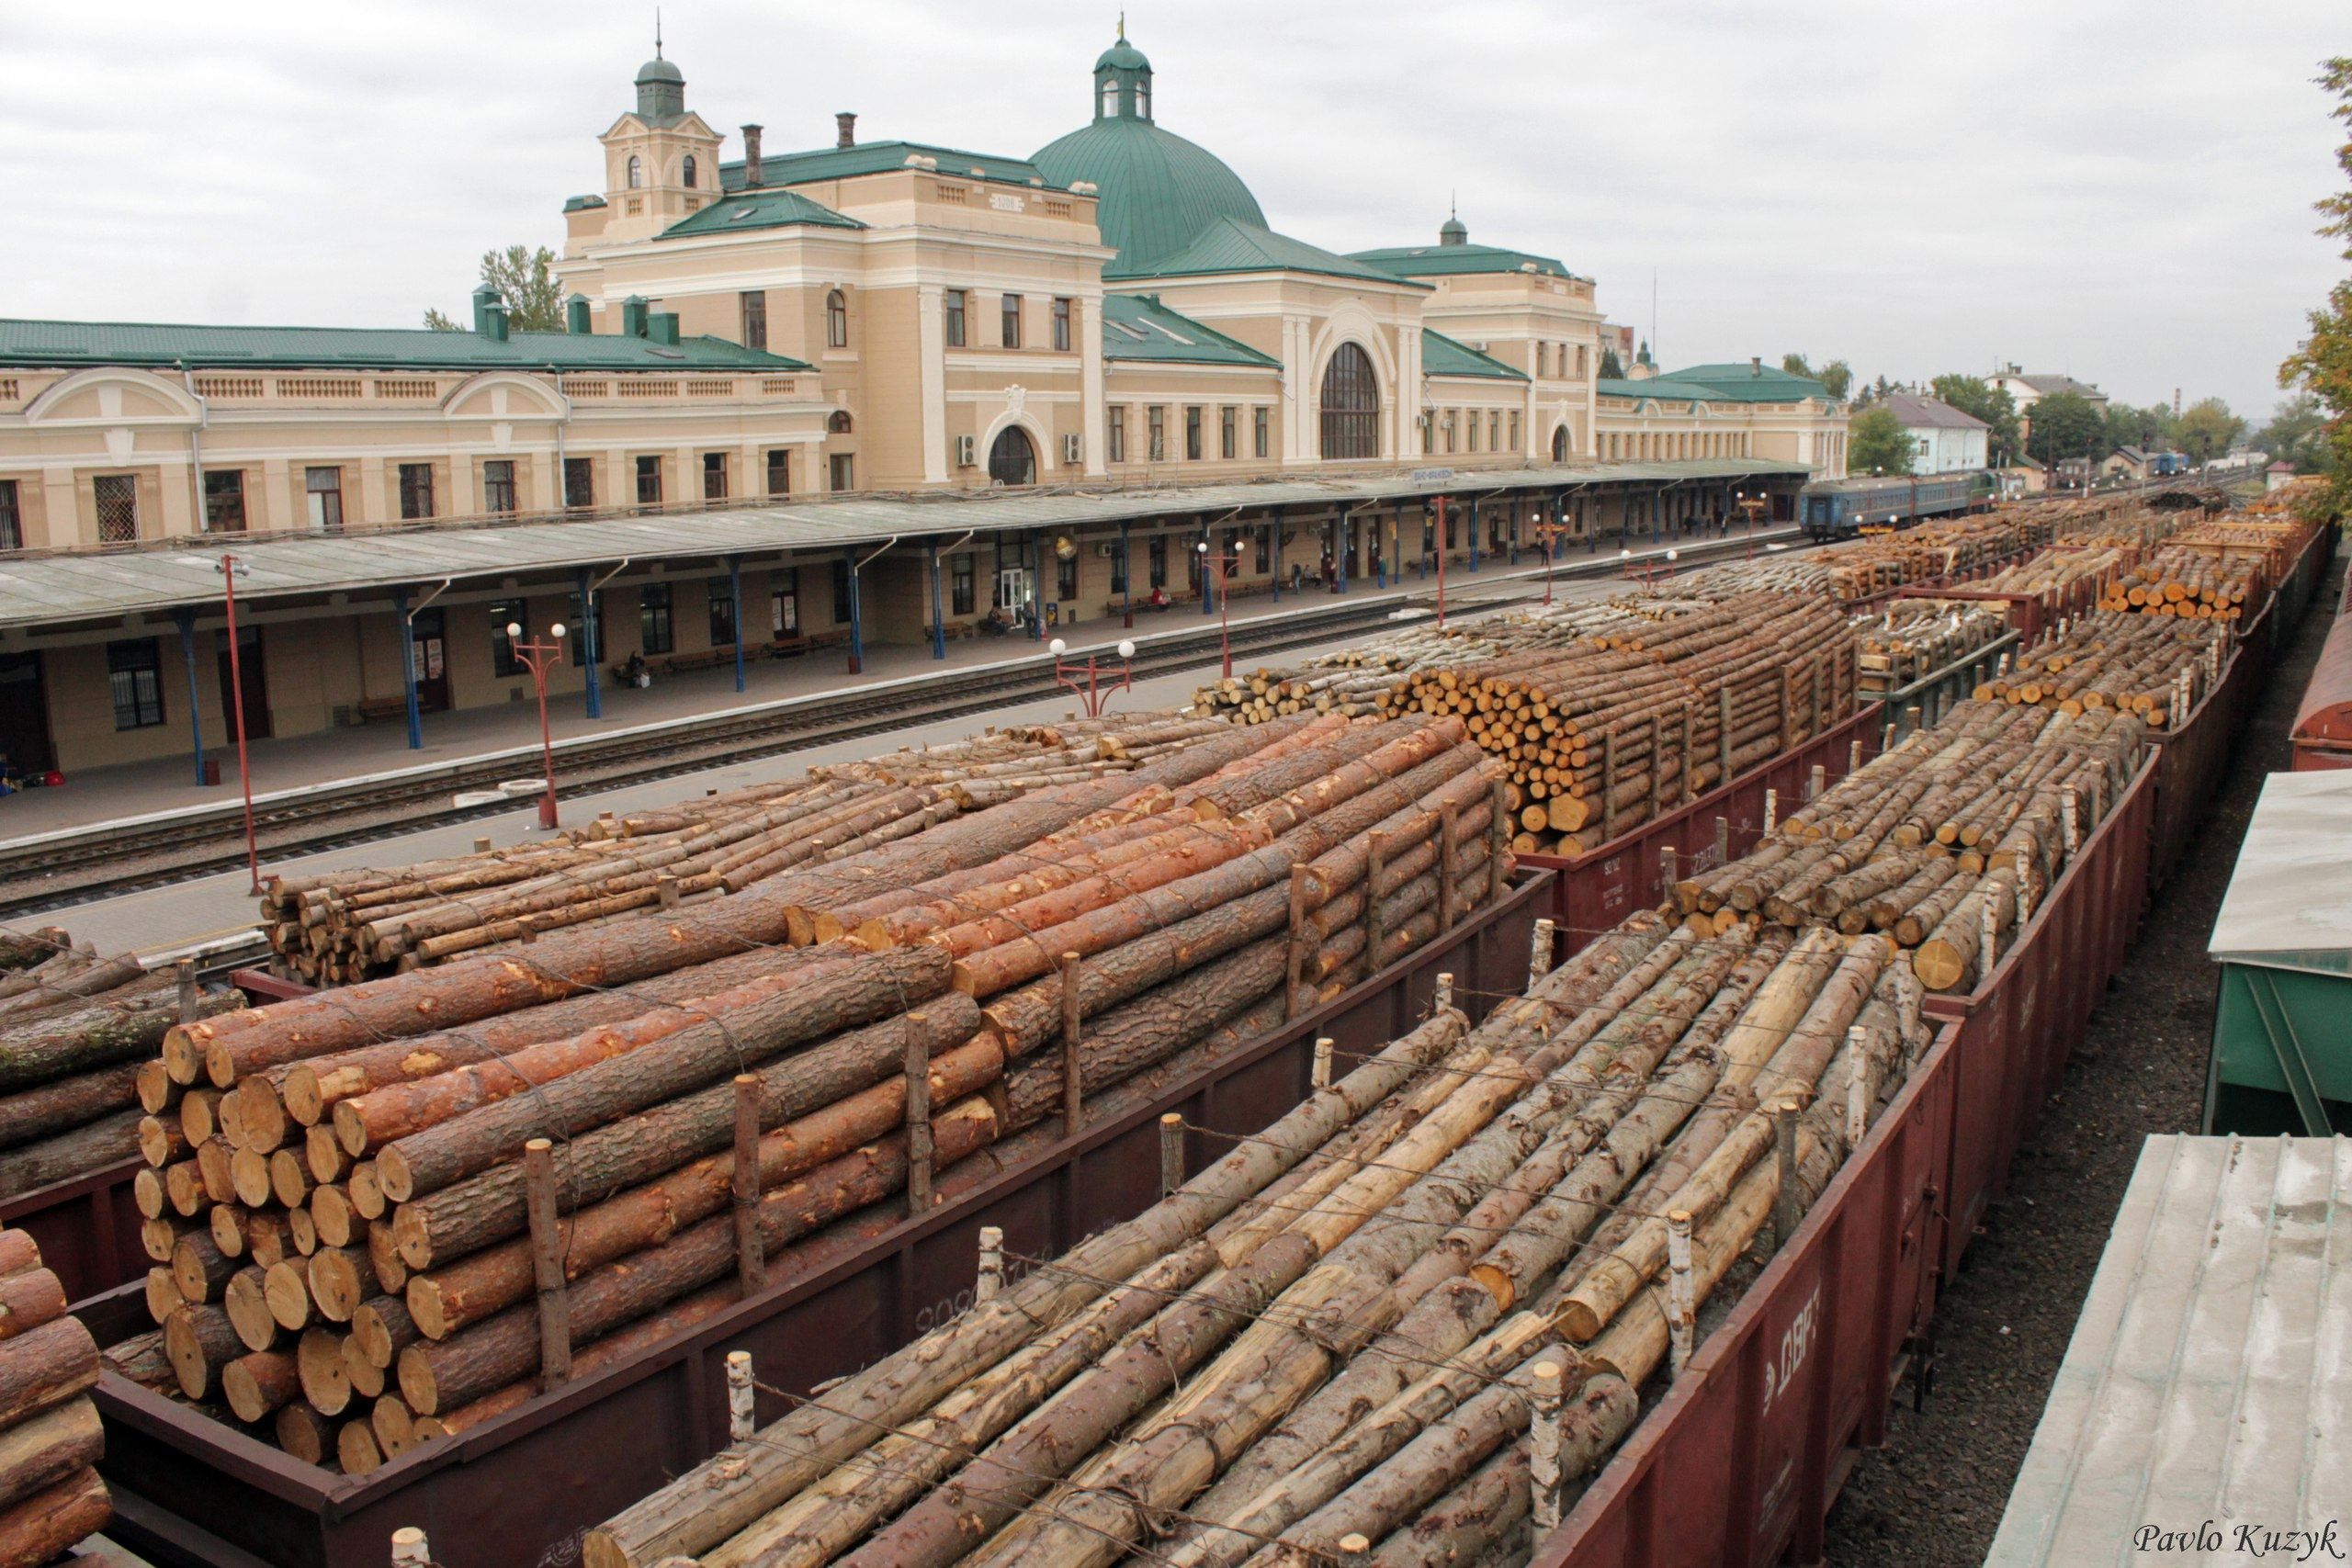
x: 534, y: 299
x: 2321, y: 365
x: 2063, y: 425
x: 1612, y: 366
x: 1838, y: 379
x: 2297, y: 433
x: 1979, y: 399
x: 2207, y: 429
x: 1877, y: 443
x: 1797, y: 365
x: 2144, y: 428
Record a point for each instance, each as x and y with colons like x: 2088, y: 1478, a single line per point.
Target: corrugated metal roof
x: 67, y: 587
x: 759, y: 209
x: 1157, y: 191
x: 1664, y: 388
x: 1137, y: 326
x: 1442, y: 355
x: 1432, y: 261
x: 1228, y: 244
x: 2207, y: 1386
x: 878, y: 157
x: 1752, y: 383
x: 2289, y: 901
x: 78, y: 343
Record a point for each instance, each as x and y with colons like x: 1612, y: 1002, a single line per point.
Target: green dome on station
x: 1155, y: 192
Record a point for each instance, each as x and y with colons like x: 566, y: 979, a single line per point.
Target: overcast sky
x: 2119, y: 190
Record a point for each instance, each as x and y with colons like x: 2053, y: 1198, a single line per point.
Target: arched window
x: 636, y: 171
x: 1351, y: 405
x: 690, y: 171
x: 836, y: 320
x: 1110, y: 99
x: 1011, y: 460
x: 1143, y: 101
x: 1560, y: 445
x: 837, y: 422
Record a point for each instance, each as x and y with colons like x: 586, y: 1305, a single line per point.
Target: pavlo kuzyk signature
x: 2254, y: 1543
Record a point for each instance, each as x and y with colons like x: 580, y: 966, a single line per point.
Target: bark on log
x: 47, y: 1522
x: 107, y: 1140
x: 38, y: 1453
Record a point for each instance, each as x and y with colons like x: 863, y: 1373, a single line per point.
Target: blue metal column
x: 856, y: 613
x: 1339, y: 553
x: 1035, y: 561
x: 408, y: 670
x: 1127, y: 577
x: 735, y: 595
x: 1274, y: 551
x: 1510, y: 535
x: 938, y: 619
x: 186, y: 618
x: 588, y: 648
x: 1208, y: 577
x: 1477, y: 526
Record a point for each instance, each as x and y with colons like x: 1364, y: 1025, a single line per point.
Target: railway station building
x: 869, y: 392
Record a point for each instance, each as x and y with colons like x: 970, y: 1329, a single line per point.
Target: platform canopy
x: 49, y: 589
x: 2289, y: 901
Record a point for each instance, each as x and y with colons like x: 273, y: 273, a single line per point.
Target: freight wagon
x: 1840, y: 509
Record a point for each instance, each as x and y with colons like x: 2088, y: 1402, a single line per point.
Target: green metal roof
x: 1742, y: 383
x: 1228, y: 244
x: 581, y: 203
x: 75, y: 344
x: 1157, y: 192
x: 1666, y: 389
x: 881, y: 157
x: 1442, y: 355
x: 759, y: 209
x: 1137, y: 326
x: 1435, y: 261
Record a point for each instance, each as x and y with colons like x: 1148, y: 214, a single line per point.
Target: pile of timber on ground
x: 1910, y: 639
x: 50, y: 1495
x: 1945, y: 845
x: 344, y: 926
x: 349, y: 1257
x: 2156, y: 667
x: 2219, y: 569
x: 1330, y: 1346
x: 76, y: 1033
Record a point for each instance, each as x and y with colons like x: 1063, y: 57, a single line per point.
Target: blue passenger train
x: 1839, y: 509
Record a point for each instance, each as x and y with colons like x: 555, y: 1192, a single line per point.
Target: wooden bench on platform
x: 371, y: 709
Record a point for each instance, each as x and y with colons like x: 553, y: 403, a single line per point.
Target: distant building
x: 1943, y: 439
x: 2278, y: 475
x: 2026, y: 390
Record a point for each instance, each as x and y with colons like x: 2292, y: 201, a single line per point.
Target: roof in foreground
x: 1228, y: 244
x: 157, y: 345
x: 2289, y: 905
x: 1442, y: 355
x: 80, y: 585
x: 1930, y: 414
x: 878, y: 157
x: 1436, y: 260
x: 1137, y: 326
x: 2206, y: 1379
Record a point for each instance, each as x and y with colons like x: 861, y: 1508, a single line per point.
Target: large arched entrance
x: 1012, y: 459
x: 1560, y: 445
x: 1351, y: 404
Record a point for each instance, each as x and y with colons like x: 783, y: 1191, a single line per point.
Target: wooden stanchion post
x: 1858, y: 1087
x: 1320, y: 1074
x: 191, y: 998
x: 1771, y: 811
x: 1172, y: 1152
x: 546, y: 1263
x: 918, y: 1071
x: 1609, y: 784
x: 1722, y: 734
x: 1669, y: 872
x: 1376, y: 862
x: 1294, y: 955
x: 991, y: 1275
x: 1073, y: 1082
x: 409, y: 1548
x: 1497, y: 841
x: 1722, y: 842
x: 751, y: 1257
x: 1785, y: 1211
x: 740, y: 1423
x: 1539, y: 953
x: 1681, y: 1297
x: 1544, y: 1445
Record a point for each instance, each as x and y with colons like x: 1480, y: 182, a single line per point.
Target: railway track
x: 57, y: 871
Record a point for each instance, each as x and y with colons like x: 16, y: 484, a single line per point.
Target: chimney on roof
x: 1756, y: 365
x: 484, y: 298
x: 494, y: 321
x: 576, y: 320
x: 662, y: 326
x: 844, y: 130
x: 752, y: 180
x: 633, y: 312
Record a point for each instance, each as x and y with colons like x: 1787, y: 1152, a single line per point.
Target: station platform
x: 99, y: 796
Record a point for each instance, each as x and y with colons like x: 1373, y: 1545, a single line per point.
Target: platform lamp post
x: 1095, y: 696
x: 1225, y: 564
x: 536, y: 655
x: 230, y: 568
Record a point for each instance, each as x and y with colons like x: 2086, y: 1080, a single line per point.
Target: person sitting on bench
x: 635, y: 673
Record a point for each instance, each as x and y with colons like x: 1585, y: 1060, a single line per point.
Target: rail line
x: 57, y: 871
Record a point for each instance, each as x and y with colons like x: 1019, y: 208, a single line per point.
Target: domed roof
x: 1156, y: 191
x: 658, y: 69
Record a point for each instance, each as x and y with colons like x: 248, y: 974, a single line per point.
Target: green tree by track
x: 2297, y: 433
x: 2322, y: 365
x: 2207, y: 429
x: 1979, y: 399
x: 1877, y: 443
x: 534, y: 298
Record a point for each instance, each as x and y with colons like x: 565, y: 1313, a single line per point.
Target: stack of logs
x: 419, y: 1196
x: 1394, y: 1328
x: 1349, y: 683
x: 1634, y: 708
x: 2218, y: 569
x: 50, y: 1495
x: 1945, y: 843
x: 2154, y: 667
x: 342, y: 926
x: 1911, y: 638
x: 1943, y: 551
x: 74, y: 1030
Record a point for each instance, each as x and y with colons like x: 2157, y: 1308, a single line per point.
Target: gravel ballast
x: 1933, y: 1496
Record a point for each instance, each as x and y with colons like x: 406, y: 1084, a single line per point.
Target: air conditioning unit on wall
x: 965, y: 446
x: 1073, y: 448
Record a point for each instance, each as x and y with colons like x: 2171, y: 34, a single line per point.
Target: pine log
x: 45, y: 1523
x: 107, y: 1140
x: 38, y: 1453
x: 199, y: 1339
x: 259, y: 1381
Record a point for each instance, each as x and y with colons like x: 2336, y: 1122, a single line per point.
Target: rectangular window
x: 1158, y: 416
x: 779, y: 470
x: 224, y: 501
x: 1264, y: 539
x: 117, y: 499
x: 1542, y: 360
x: 135, y: 671
x: 580, y: 481
x: 714, y: 476
x: 1224, y: 432
x: 960, y: 585
x: 416, y: 492
x: 1061, y: 326
x: 1119, y: 569
x: 1118, y: 434
x: 12, y: 519
x: 843, y: 466
x: 784, y: 607
x: 1011, y: 318
x: 1065, y: 579
x: 1192, y: 433
x: 1193, y: 562
x: 1470, y: 432
x: 1514, y: 430
x: 585, y: 636
x: 1494, y: 430
x: 1449, y: 430
x: 1260, y: 421
x: 720, y: 591
x: 648, y: 481
x: 654, y: 634
x: 498, y: 485
x: 504, y: 613
x: 756, y: 318
x: 1160, y: 560
x: 840, y: 593
x: 1429, y: 438
x: 324, y: 488
x: 954, y: 318
x: 1580, y: 360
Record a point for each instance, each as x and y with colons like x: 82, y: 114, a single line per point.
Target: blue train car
x: 1840, y: 509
